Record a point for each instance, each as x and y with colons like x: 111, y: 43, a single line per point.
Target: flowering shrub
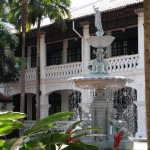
x: 41, y: 137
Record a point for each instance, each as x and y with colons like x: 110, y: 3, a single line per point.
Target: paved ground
x: 140, y: 146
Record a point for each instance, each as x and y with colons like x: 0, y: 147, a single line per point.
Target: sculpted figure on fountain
x: 98, y: 23
x: 99, y: 65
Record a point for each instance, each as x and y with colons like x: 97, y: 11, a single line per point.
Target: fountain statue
x: 100, y: 80
x: 98, y: 23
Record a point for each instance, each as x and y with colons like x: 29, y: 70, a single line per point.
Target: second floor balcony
x: 116, y: 64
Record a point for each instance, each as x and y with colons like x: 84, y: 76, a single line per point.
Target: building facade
x: 67, y: 54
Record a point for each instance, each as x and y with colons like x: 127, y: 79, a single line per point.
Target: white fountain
x: 100, y: 81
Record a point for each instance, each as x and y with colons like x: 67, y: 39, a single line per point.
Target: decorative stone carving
x: 99, y: 65
x: 98, y: 23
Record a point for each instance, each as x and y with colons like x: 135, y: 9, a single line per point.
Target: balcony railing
x: 123, y: 63
x: 66, y: 70
x: 116, y: 64
x: 30, y: 74
x: 59, y: 125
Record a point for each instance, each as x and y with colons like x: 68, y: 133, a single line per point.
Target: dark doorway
x: 55, y: 103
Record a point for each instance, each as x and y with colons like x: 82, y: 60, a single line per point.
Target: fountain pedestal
x: 101, y: 107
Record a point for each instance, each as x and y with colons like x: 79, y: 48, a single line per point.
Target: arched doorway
x: 55, y: 103
x: 30, y: 105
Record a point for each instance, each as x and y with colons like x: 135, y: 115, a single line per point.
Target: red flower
x: 70, y: 139
x: 69, y: 131
x: 117, y: 139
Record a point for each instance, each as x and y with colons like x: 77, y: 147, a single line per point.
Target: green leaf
x: 9, y: 143
x: 85, y: 134
x: 11, y: 115
x: 55, y: 117
x: 2, y: 142
x: 73, y: 126
x: 38, y: 129
x: 87, y: 129
x: 6, y: 126
x: 46, y: 123
x: 17, y: 144
x: 50, y: 140
x: 91, y: 147
x: 34, y: 137
x: 5, y: 129
x: 57, y: 138
x: 34, y: 145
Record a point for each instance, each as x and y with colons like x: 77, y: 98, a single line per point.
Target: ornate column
x: 42, y: 55
x: 140, y: 13
x: 86, y: 48
x: 64, y: 52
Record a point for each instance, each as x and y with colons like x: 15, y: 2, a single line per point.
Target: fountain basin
x: 97, y: 81
x: 100, y: 41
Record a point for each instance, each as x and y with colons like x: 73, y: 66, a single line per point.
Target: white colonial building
x: 68, y: 54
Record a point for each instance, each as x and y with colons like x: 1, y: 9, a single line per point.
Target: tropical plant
x: 147, y: 64
x: 42, y: 135
x: 8, y: 43
x: 18, y: 16
x: 9, y: 122
x: 38, y: 10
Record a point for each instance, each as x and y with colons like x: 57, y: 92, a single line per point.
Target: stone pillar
x: 141, y: 120
x: 140, y: 14
x: 42, y: 55
x: 86, y: 48
x: 108, y: 49
x: 44, y: 106
x: 28, y: 57
x: 64, y: 101
x: 29, y: 107
x: 64, y: 52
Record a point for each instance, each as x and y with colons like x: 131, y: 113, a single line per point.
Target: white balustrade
x: 62, y: 125
x: 123, y: 63
x: 59, y: 125
x: 65, y: 70
x: 116, y: 64
x: 30, y: 74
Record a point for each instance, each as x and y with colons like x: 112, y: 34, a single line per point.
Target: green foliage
x: 54, y: 9
x: 8, y: 43
x: 9, y: 122
x: 41, y: 136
